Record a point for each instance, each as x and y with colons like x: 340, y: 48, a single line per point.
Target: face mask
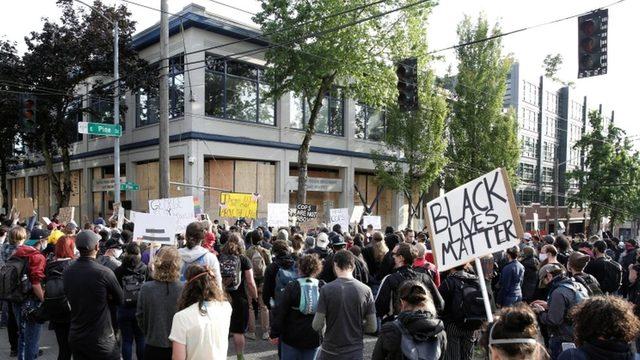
x: 543, y: 256
x: 117, y: 253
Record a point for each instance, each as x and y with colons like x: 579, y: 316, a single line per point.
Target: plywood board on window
x: 361, y: 181
x: 176, y: 174
x: 245, y: 176
x: 97, y: 197
x: 19, y: 189
x: 42, y: 195
x: 75, y: 196
x: 221, y: 177
x: 148, y: 177
x: 266, y: 186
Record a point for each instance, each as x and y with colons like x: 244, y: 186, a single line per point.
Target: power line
x: 233, y: 7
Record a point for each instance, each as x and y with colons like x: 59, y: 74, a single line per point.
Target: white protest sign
x: 339, y: 216
x: 356, y: 215
x: 120, y: 217
x: 536, y: 222
x: 278, y: 214
x: 179, y: 208
x: 375, y: 221
x: 46, y: 220
x: 153, y: 227
x: 473, y: 220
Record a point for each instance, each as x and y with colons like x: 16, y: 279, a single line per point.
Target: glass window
x: 101, y: 106
x: 330, y: 117
x: 238, y: 91
x: 148, y: 106
x: 370, y: 123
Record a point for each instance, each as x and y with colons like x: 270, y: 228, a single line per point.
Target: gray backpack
x: 417, y: 350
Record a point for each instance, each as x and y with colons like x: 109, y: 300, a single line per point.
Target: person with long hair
x: 58, y: 309
x: 604, y: 328
x: 157, y: 303
x: 200, y: 328
x: 291, y: 326
x: 373, y: 255
x: 237, y: 278
x: 131, y: 276
x: 515, y: 335
x: 418, y: 318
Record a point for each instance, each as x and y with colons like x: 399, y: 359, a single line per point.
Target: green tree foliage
x: 10, y: 71
x: 314, y: 51
x: 64, y: 55
x: 610, y: 181
x: 482, y: 135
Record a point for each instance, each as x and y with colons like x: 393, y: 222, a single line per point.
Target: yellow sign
x: 237, y: 205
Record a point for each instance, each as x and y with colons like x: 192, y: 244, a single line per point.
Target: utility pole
x: 116, y: 114
x: 556, y: 178
x: 164, y: 101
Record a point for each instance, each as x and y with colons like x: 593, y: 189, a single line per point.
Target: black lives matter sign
x: 473, y: 220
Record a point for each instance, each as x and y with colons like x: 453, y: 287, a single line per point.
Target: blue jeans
x: 28, y: 331
x: 511, y: 300
x: 555, y: 347
x: 292, y: 353
x: 130, y: 332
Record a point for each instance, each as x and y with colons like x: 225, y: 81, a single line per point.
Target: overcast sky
x: 616, y: 90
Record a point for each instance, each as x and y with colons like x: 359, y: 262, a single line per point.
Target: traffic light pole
x: 116, y: 115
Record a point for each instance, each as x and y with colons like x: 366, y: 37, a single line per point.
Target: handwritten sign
x: 66, y: 214
x: 357, y: 213
x: 305, y: 212
x: 154, y: 227
x: 278, y: 214
x: 375, y: 221
x: 473, y: 220
x: 339, y: 216
x: 179, y: 208
x: 24, y: 206
x: 238, y: 205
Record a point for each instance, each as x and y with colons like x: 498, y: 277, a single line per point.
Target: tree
x: 482, y: 135
x: 10, y: 77
x: 551, y: 65
x: 610, y: 180
x: 314, y: 51
x: 63, y: 56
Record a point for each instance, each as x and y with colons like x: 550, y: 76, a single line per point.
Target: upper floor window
x: 370, y: 123
x: 74, y: 115
x: 148, y: 106
x: 101, y: 106
x: 330, y: 118
x: 238, y: 91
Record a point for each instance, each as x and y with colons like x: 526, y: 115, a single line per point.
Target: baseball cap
x: 542, y: 273
x: 87, y: 240
x: 337, y: 240
x: 37, y: 234
x: 578, y: 260
x: 526, y: 236
x: 322, y: 241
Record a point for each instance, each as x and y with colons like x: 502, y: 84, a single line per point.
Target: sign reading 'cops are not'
x: 473, y: 220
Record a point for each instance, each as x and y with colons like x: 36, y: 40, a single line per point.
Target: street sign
x: 129, y: 185
x: 99, y: 129
x: 100, y: 185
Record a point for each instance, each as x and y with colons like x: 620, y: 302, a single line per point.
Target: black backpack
x: 593, y: 288
x: 14, y: 280
x: 131, y: 285
x: 612, y: 276
x: 467, y: 305
x: 230, y: 272
x: 360, y: 272
x: 413, y: 349
x: 55, y: 305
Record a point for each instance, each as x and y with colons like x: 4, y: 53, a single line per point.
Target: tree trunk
x: 303, y: 153
x: 55, y: 180
x: 3, y: 186
x: 66, y: 177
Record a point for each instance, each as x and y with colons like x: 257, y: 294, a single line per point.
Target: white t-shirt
x: 206, y: 336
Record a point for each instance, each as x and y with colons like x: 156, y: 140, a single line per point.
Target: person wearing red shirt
x: 28, y: 330
x: 421, y: 262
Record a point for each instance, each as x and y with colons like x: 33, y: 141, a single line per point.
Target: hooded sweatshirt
x: 600, y: 350
x: 201, y: 256
x: 269, y: 287
x: 421, y: 325
x: 37, y: 262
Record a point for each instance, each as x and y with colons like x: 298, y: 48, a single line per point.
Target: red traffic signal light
x: 592, y: 43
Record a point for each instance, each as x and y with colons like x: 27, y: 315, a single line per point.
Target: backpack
x: 257, y: 262
x: 14, y: 280
x: 612, y: 276
x: 185, y: 265
x: 283, y: 277
x: 360, y: 272
x: 467, y: 306
x: 56, y: 306
x: 590, y: 283
x: 416, y: 350
x: 580, y: 294
x: 309, y: 294
x: 230, y: 271
x: 131, y: 285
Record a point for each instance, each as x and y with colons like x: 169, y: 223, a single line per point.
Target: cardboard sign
x: 66, y: 214
x: 356, y: 215
x: 375, y: 221
x: 305, y: 212
x: 179, y: 208
x: 154, y: 227
x: 473, y: 220
x: 278, y: 214
x: 24, y: 206
x: 238, y: 205
x: 339, y: 216
x: 536, y: 222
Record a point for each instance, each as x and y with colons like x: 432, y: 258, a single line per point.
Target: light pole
x: 116, y: 102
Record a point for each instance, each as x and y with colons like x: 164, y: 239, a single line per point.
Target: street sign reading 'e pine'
x: 99, y: 129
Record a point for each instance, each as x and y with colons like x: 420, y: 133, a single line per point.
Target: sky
x: 615, y: 90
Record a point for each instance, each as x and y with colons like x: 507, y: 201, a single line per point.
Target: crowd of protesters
x: 313, y: 294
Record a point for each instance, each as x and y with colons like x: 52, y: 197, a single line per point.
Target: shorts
x: 239, y: 313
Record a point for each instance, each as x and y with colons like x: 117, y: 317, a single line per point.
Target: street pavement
x: 254, y: 350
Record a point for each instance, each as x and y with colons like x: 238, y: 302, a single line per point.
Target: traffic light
x: 592, y: 43
x: 28, y: 111
x: 407, y: 72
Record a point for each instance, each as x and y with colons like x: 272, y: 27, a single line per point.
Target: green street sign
x: 129, y: 185
x: 99, y: 129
